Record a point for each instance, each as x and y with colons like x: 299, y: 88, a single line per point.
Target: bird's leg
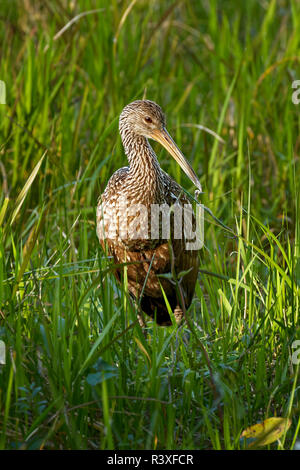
x: 141, y: 319
x: 178, y: 313
x: 142, y: 323
x: 140, y: 315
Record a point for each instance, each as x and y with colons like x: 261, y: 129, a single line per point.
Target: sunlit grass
x: 79, y: 372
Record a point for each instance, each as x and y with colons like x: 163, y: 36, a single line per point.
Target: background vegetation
x: 79, y: 373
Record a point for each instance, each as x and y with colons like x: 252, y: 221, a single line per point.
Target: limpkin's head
x: 145, y: 118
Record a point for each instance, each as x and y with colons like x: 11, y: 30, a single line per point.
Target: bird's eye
x: 148, y: 119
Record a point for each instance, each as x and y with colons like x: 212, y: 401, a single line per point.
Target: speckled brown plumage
x: 144, y: 182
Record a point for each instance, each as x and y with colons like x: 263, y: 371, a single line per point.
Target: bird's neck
x: 144, y: 169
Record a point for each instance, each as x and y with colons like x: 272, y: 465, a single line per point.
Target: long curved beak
x: 163, y: 137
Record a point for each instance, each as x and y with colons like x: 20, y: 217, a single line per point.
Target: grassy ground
x: 79, y: 373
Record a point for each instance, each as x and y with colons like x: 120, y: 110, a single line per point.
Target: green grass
x: 79, y: 373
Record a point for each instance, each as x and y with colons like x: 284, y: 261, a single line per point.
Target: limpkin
x: 124, y: 219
